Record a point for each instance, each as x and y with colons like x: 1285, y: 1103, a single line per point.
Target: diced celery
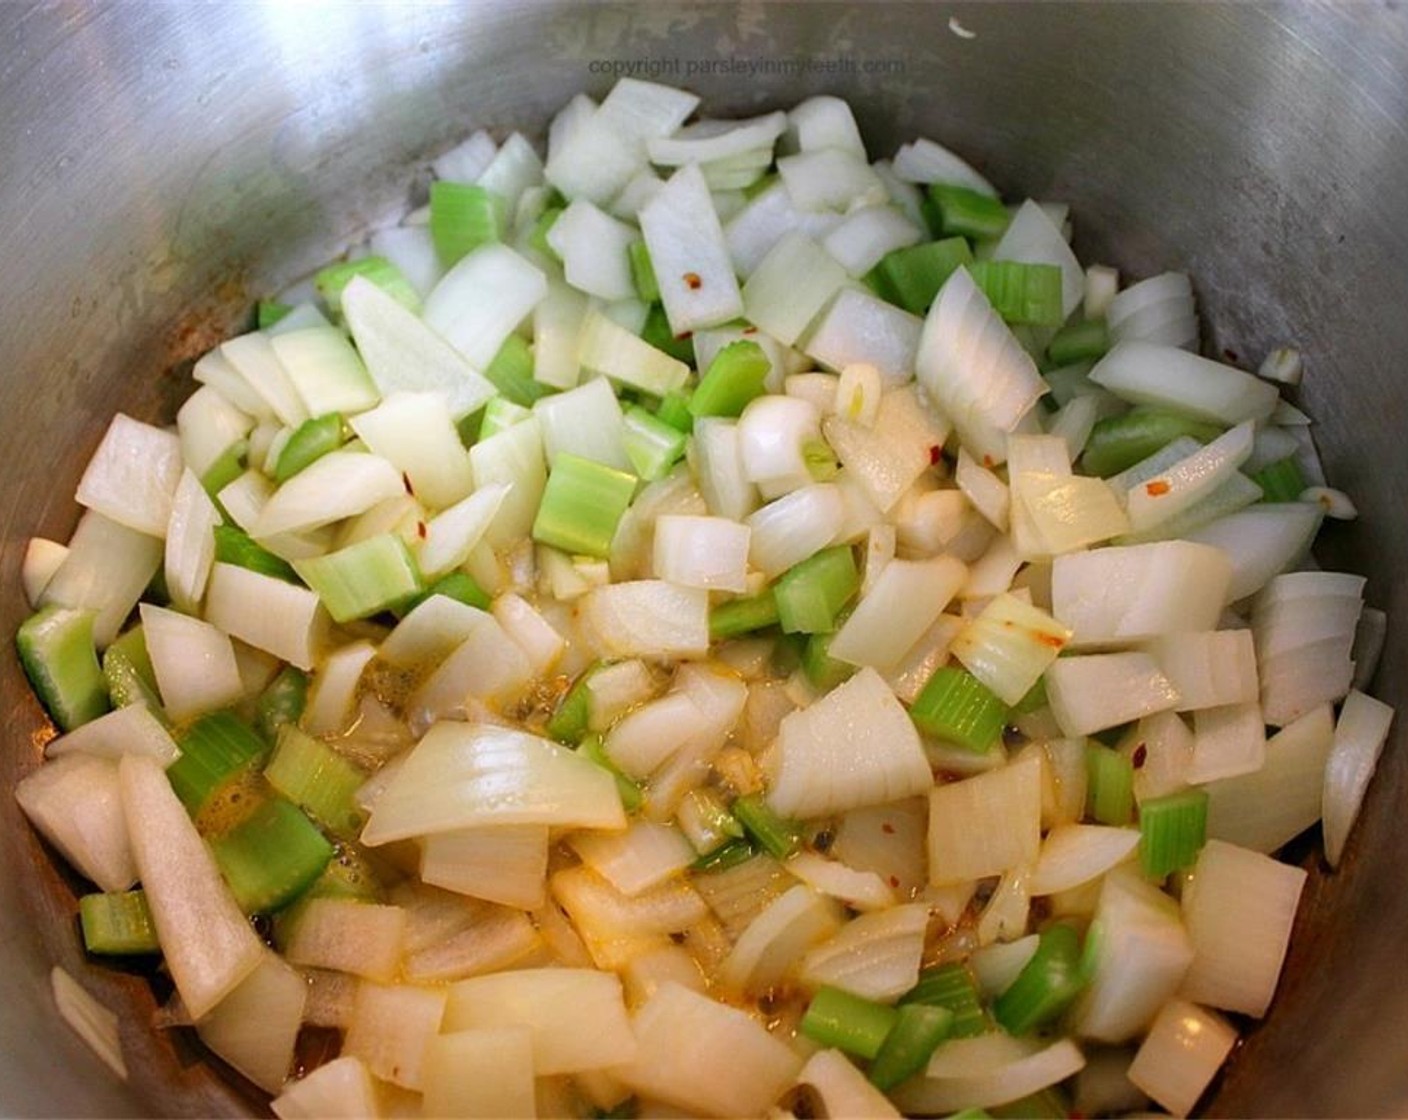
x: 57, y: 651
x: 810, y: 595
x: 234, y: 546
x: 463, y: 216
x: 733, y: 378
x: 958, y: 708
x: 582, y: 505
x: 357, y: 581
x: 314, y: 776
x: 331, y: 280
x: 117, y: 923
x: 214, y: 749
x: 271, y: 856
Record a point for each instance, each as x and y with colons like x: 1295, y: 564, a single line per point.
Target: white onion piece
x: 1144, y: 373
x: 843, y: 1089
x: 107, y: 568
x: 1136, y: 592
x: 1077, y: 853
x: 481, y: 299
x: 592, y: 247
x: 208, y: 945
x: 1239, y: 909
x: 902, y: 604
x: 701, y: 1056
x: 342, y: 1088
x: 1009, y: 646
x: 987, y: 493
x: 1101, y: 285
x: 866, y: 234
x: 1141, y: 953
x: 1032, y: 238
x: 430, y: 632
x: 466, y: 161
x: 268, y: 613
x: 585, y: 421
x: 412, y: 250
x: 132, y: 476
x: 789, y: 530
x: 1158, y: 310
x: 391, y: 1030
x: 830, y: 179
x: 454, y: 533
x: 689, y: 254
x: 534, y: 635
x: 1303, y: 624
x: 505, y: 864
x: 76, y: 803
x: 645, y: 855
x: 985, y: 825
x: 925, y: 161
x: 349, y: 935
x: 1264, y: 809
x: 858, y: 326
x: 333, y: 691
x: 415, y: 433
x: 1261, y: 541
x: 403, y: 353
x: 253, y: 358
x: 42, y: 558
x: 1174, y: 490
x: 860, y: 890
x: 190, y: 543
x: 482, y: 1072
x: 975, y: 369
x: 790, y: 286
x: 1336, y: 503
x: 129, y: 730
x: 1360, y: 733
x: 1016, y: 1079
x: 855, y: 746
x: 719, y: 462
x: 1209, y: 668
x: 462, y: 776
x: 512, y: 458
x: 771, y: 434
x: 254, y: 1028
x: 1181, y: 1055
x: 707, y: 141
x: 1227, y: 741
x: 996, y: 966
x: 340, y: 484
x: 557, y: 328
x: 1008, y: 909
x: 577, y: 1017
x: 216, y: 372
x: 888, y: 456
x: 766, y: 951
x: 707, y: 552
x: 598, y: 149
x: 875, y: 956
x: 193, y: 661
x: 609, y: 348
x: 649, y: 618
x: 1090, y: 693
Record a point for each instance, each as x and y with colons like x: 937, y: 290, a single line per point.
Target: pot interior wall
x: 167, y: 165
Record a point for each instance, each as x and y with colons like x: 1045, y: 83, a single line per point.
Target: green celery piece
x: 673, y: 409
x: 632, y: 798
x: 1110, y: 790
x: 957, y: 707
x: 777, y: 836
x: 511, y: 373
x: 657, y: 332
x: 1034, y: 699
x: 59, y: 658
x: 282, y: 702
x: 569, y: 724
x: 914, y: 275
x: 1281, y: 481
x: 457, y: 585
x: 310, y: 441
x: 538, y: 238
x: 652, y: 445
x: 215, y: 749
x: 822, y: 670
x: 1046, y: 986
x: 966, y: 212
x: 643, y: 272
x: 952, y: 986
x: 463, y: 216
x: 1021, y: 293
x: 331, y: 281
x: 1085, y: 341
x: 228, y: 467
x: 918, y: 1030
x: 811, y: 594
x: 1116, y: 443
x: 269, y: 311
x: 1172, y: 831
x: 234, y: 546
x: 118, y: 923
x: 315, y: 777
x: 272, y: 856
x: 725, y: 856
x: 363, y: 579
x: 848, y: 1022
x: 733, y: 378
x: 742, y: 616
x: 582, y: 505
x: 127, y: 669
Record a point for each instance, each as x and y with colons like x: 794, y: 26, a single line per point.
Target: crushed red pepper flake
x: 421, y: 531
x: 1156, y: 489
x: 887, y: 828
x: 1141, y: 755
x: 935, y: 454
x: 406, y: 482
x: 692, y: 281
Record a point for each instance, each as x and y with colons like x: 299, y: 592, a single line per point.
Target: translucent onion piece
x: 95, y: 1023
x: 391, y: 1030
x: 1091, y: 693
x: 1360, y: 733
x: 843, y: 1089
x: 767, y: 950
x: 1184, y: 1049
x: 129, y: 730
x: 254, y: 1028
x: 1077, y: 853
x: 985, y: 825
x: 1018, y: 1078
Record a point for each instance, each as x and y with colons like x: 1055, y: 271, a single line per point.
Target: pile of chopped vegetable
x: 712, y: 623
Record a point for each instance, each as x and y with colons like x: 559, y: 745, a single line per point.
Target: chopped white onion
x: 1360, y: 732
x: 985, y: 825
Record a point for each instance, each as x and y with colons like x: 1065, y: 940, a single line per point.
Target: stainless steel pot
x: 163, y: 165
